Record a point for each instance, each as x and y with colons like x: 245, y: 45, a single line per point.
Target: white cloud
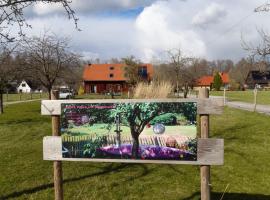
x: 206, y: 28
x: 88, y: 6
x: 157, y: 33
x: 211, y: 15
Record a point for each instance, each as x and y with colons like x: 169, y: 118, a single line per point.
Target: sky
x: 147, y: 29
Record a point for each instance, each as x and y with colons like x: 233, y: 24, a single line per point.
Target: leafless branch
x: 11, y: 14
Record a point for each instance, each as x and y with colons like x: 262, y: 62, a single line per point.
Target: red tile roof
x: 225, y: 78
x: 102, y: 72
x: 208, y: 80
x: 205, y: 81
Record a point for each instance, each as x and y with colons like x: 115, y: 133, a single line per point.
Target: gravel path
x: 249, y: 107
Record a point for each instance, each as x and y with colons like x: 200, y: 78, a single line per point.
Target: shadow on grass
x: 106, y: 170
x: 144, y: 171
x: 230, y: 196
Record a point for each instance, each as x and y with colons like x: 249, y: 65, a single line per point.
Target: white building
x: 24, y: 88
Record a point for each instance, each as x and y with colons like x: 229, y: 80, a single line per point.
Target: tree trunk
x: 1, y: 103
x: 185, y: 90
x: 50, y: 92
x: 135, y: 145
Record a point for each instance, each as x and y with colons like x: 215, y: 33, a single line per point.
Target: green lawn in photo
x: 24, y: 175
x: 102, y: 129
x: 263, y: 97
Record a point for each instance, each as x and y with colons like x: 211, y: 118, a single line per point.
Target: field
x: 24, y: 175
x: 263, y: 97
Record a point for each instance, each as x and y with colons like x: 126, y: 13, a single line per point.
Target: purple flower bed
x: 148, y: 152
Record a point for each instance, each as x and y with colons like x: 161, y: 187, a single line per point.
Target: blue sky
x: 210, y: 29
x: 130, y: 13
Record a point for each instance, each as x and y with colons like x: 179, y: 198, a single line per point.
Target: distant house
x: 104, y: 78
x: 207, y: 81
x: 260, y: 78
x: 24, y: 87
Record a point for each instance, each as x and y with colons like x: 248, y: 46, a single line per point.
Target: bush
x: 217, y: 82
x: 165, y: 119
x: 182, y: 120
x: 92, y: 146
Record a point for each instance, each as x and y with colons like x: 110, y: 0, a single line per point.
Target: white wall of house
x: 23, y: 88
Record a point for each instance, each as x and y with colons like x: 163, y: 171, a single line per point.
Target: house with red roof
x: 207, y: 81
x: 104, y: 78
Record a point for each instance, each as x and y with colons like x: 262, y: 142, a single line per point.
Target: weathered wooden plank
x: 205, y: 106
x: 210, y: 152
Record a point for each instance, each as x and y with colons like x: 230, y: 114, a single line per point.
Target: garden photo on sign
x: 130, y: 130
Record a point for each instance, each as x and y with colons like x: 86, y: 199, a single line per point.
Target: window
x: 111, y: 68
x: 111, y: 75
x: 143, y: 72
x: 23, y: 85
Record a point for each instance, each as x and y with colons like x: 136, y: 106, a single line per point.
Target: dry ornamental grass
x: 154, y: 90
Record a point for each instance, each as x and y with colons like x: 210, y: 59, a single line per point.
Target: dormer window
x: 112, y: 68
x: 111, y: 75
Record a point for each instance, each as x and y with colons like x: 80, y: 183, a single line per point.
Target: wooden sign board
x: 135, y: 131
x: 209, y: 152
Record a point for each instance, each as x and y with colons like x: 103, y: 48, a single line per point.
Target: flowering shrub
x: 151, y: 152
x: 190, y: 146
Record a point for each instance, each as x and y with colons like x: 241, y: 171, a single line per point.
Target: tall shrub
x: 217, y: 82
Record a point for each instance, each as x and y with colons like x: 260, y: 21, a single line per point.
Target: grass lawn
x: 263, y: 97
x: 24, y: 175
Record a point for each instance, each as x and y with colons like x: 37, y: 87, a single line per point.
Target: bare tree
x: 179, y: 62
x: 47, y: 58
x: 72, y: 77
x: 12, y: 14
x: 7, y: 72
x: 240, y: 72
x: 132, y: 70
x: 261, y: 51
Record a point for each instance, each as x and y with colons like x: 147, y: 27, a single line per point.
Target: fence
x: 75, y: 144
x: 23, y: 96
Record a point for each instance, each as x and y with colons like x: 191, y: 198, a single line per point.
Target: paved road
x: 243, y: 105
x: 249, y: 107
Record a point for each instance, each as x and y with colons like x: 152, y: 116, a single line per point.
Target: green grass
x: 263, y: 97
x: 100, y: 129
x: 24, y: 175
x: 23, y: 96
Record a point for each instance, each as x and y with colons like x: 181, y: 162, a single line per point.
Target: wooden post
x: 205, y: 170
x: 255, y: 98
x: 224, y: 96
x: 7, y: 95
x: 57, y: 165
